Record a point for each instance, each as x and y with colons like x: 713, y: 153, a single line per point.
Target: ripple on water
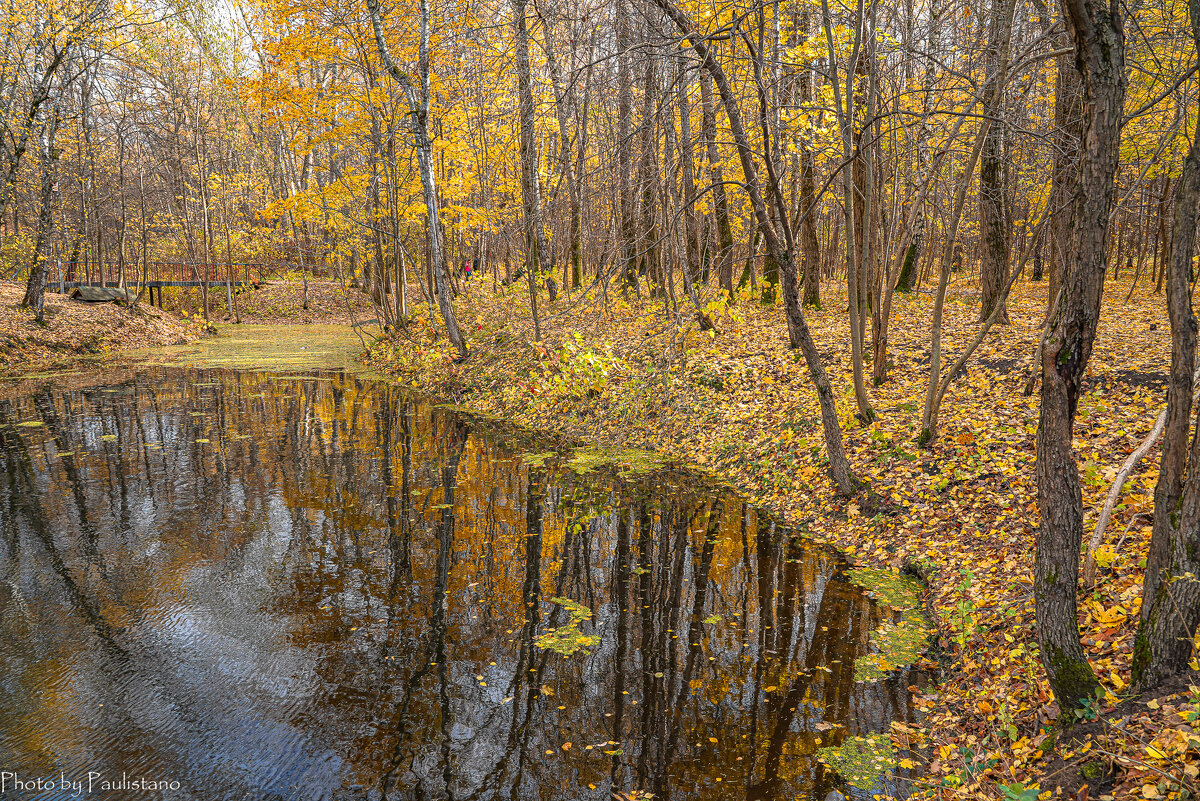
x: 307, y: 586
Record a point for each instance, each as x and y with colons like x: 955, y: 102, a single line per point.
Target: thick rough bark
x: 1171, y: 592
x: 809, y: 247
x: 627, y: 229
x: 993, y: 221
x: 688, y: 168
x: 648, y: 244
x: 1065, y: 141
x: 1099, y: 39
x: 563, y: 98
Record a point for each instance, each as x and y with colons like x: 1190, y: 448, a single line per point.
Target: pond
x: 242, y: 585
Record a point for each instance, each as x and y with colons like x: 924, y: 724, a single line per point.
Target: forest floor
x: 77, y: 332
x: 626, y: 373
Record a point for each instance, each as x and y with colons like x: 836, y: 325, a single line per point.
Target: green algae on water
x: 893, y: 644
x: 628, y: 461
x: 897, y: 590
x: 537, y: 459
x: 861, y: 761
x: 566, y: 640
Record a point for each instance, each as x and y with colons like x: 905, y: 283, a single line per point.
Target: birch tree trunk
x: 419, y: 110
x: 35, y: 289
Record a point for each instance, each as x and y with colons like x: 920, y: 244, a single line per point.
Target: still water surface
x: 254, y: 586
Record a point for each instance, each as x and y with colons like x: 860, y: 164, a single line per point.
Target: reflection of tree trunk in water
x: 23, y: 497
x: 765, y: 547
x: 650, y: 655
x: 695, y: 625
x: 399, y: 519
x: 440, y: 600
x: 621, y: 592
x: 763, y: 535
x: 664, y: 740
x: 819, y: 654
x: 531, y: 601
x: 44, y: 403
x: 458, y: 433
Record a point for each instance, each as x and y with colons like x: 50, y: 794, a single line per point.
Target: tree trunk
x: 1099, y: 39
x: 798, y: 331
x: 1171, y: 594
x: 856, y: 196
x: 562, y: 101
x: 688, y: 168
x: 419, y: 108
x: 529, y: 165
x: 648, y: 178
x: 720, y: 201
x: 1065, y: 144
x: 35, y: 289
x: 993, y: 221
x: 628, y: 227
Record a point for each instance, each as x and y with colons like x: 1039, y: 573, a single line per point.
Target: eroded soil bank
x: 76, y: 332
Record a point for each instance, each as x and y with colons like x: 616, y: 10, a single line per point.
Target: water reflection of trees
x: 402, y: 566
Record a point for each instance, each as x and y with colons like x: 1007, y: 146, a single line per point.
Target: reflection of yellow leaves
x: 547, y: 690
